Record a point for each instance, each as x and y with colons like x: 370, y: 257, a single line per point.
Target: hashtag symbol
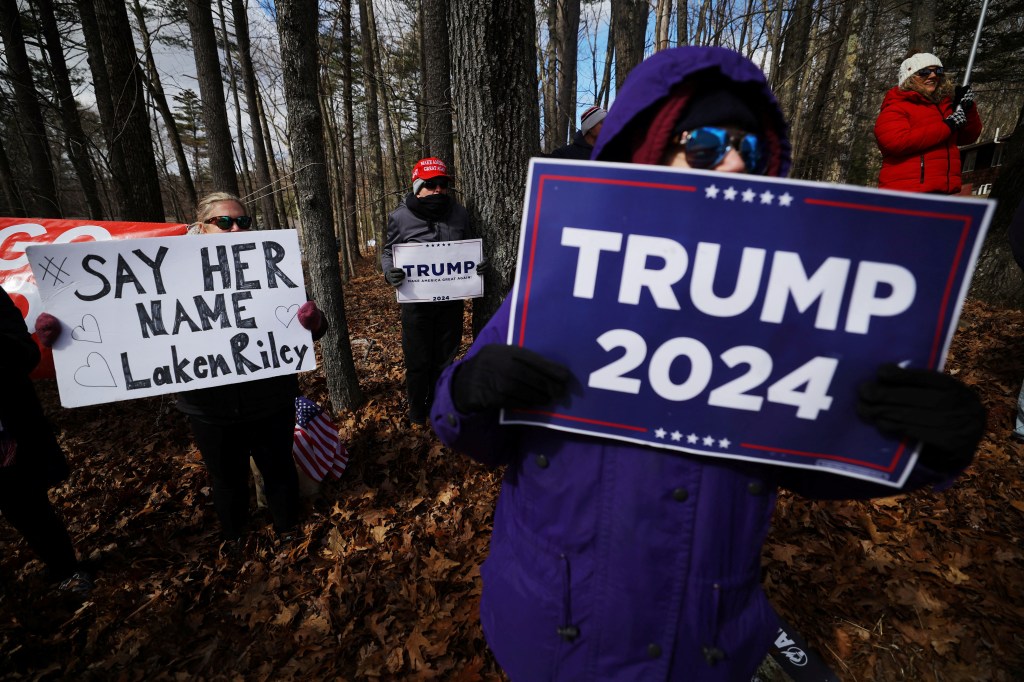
x: 54, y: 270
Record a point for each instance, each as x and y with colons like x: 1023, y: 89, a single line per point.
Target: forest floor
x: 383, y: 580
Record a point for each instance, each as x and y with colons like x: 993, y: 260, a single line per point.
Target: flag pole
x: 974, y: 47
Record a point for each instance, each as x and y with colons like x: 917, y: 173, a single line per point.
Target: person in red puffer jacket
x: 921, y: 123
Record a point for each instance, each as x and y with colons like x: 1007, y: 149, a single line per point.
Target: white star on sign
x: 730, y: 194
x: 676, y: 436
x: 692, y: 438
x: 766, y: 197
x: 709, y: 441
x: 786, y: 199
x: 724, y: 443
x: 659, y: 433
x: 748, y: 196
x: 711, y: 192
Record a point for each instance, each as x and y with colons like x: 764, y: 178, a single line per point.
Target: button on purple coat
x: 611, y: 561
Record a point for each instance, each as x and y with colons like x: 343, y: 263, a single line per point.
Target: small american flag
x: 317, y: 449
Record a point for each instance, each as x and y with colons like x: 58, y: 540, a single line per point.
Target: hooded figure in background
x: 922, y: 122
x: 614, y: 561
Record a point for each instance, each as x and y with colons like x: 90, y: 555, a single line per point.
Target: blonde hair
x: 203, y: 207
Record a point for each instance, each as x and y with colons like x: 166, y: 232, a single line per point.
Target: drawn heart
x: 89, y: 330
x: 95, y: 372
x: 285, y: 314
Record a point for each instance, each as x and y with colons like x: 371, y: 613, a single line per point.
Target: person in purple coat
x: 614, y: 561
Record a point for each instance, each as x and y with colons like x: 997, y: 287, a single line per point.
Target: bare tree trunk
x: 663, y: 15
x: 211, y: 90
x: 276, y: 180
x: 9, y: 186
x: 351, y: 218
x: 384, y: 97
x: 243, y: 158
x: 75, y: 140
x: 922, y: 25
x: 682, y: 35
x: 376, y: 174
x: 549, y: 79
x: 568, y: 48
x: 264, y: 188
x: 143, y: 199
x: 437, y: 80
x: 629, y: 18
x: 105, y: 105
x: 494, y: 79
x: 296, y: 23
x: 604, y: 92
x: 42, y: 191
x: 156, y: 89
x: 794, y: 54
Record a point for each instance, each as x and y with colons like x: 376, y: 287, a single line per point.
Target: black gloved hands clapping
x: 934, y: 408
x: 956, y: 120
x: 963, y: 97
x: 395, y: 276
x: 507, y: 376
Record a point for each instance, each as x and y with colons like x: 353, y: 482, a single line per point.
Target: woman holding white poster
x: 610, y: 560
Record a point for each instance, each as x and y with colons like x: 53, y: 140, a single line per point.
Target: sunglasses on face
x: 224, y: 222
x: 924, y: 73
x: 434, y: 184
x: 705, y: 147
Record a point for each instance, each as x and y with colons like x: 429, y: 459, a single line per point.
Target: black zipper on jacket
x: 922, y: 169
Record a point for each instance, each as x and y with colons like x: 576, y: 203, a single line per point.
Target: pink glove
x: 311, y: 318
x: 48, y: 329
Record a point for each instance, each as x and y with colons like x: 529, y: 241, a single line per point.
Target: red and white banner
x: 16, y: 234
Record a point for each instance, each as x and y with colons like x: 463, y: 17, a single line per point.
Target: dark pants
x: 25, y: 504
x: 226, y: 449
x: 431, y: 334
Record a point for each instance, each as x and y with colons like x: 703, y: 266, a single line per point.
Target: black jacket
x: 405, y: 226
x: 242, y: 402
x: 579, y: 148
x: 38, y: 455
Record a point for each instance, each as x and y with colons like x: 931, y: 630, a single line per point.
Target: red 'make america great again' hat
x: 426, y: 169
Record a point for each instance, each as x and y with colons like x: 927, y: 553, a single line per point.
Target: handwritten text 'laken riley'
x: 243, y: 361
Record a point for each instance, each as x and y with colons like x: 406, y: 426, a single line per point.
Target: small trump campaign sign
x: 143, y: 317
x: 439, y: 271
x: 735, y: 316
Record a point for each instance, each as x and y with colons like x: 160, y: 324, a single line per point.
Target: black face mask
x: 431, y: 206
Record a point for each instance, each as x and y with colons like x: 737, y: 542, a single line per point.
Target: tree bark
x: 156, y: 89
x: 211, y: 91
x: 682, y: 34
x: 75, y: 140
x: 348, y: 119
x: 922, y: 25
x: 794, y: 56
x: 375, y: 177
x: 13, y: 205
x: 143, y: 200
x: 243, y: 157
x: 264, y: 188
x: 568, y: 49
x: 629, y: 21
x: 297, y: 24
x: 663, y: 15
x: 437, y: 80
x: 41, y: 194
x: 494, y: 85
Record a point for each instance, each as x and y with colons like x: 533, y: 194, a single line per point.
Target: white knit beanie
x: 915, y: 63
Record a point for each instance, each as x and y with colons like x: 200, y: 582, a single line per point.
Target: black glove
x: 956, y: 120
x: 507, y: 376
x: 928, y: 406
x: 482, y: 267
x: 395, y: 276
x: 963, y: 97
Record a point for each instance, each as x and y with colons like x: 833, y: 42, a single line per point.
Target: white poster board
x: 439, y: 271
x: 144, y: 317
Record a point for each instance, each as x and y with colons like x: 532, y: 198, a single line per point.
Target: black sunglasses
x: 434, y: 184
x: 224, y: 222
x: 924, y: 73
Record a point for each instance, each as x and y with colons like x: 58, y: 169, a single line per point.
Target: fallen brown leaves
x: 383, y: 581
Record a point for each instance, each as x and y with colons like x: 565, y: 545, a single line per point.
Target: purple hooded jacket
x: 611, y: 561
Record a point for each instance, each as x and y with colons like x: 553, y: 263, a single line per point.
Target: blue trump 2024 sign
x: 734, y: 316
